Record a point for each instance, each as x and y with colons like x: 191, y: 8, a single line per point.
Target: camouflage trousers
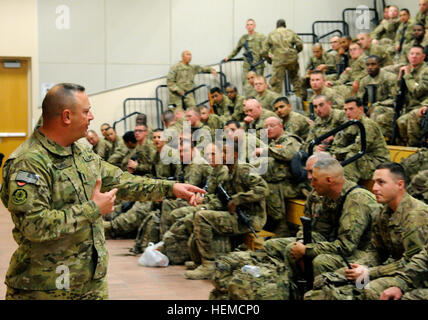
x: 384, y: 117
x: 93, y: 290
x: 409, y: 126
x: 169, y: 217
x: 278, y: 76
x: 418, y: 186
x: 126, y: 224
x: 176, y: 99
x: 363, y: 168
x: 148, y: 231
x: 344, y: 90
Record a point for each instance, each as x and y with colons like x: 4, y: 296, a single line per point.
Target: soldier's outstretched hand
x: 104, y: 201
x: 188, y: 192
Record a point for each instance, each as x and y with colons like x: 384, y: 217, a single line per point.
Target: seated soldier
x: 237, y: 102
x: 318, y: 85
x: 385, y: 32
x: 399, y: 232
x: 327, y: 119
x: 404, y: 33
x: 103, y: 129
x: 418, y: 38
x: 348, y: 82
x: 101, y: 147
x: 199, y: 130
x: 209, y: 119
x: 380, y: 87
x: 118, y: 147
x: 248, y: 191
x: 370, y: 48
x: 411, y: 282
x: 222, y: 106
x: 264, y: 96
x: 130, y: 143
x: 141, y: 159
x: 281, y: 183
x: 415, y: 76
x: 293, y: 122
x: 249, y: 90
x: 255, y: 116
x: 347, y: 143
x: 342, y: 218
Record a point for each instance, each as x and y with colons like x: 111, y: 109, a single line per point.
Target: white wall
x: 112, y: 43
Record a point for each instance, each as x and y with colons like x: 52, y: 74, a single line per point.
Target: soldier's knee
x: 319, y: 264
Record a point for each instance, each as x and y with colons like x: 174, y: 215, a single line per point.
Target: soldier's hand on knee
x: 356, y: 272
x: 104, y: 201
x: 393, y: 293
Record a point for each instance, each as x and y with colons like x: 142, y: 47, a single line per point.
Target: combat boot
x: 190, y: 265
x: 204, y: 271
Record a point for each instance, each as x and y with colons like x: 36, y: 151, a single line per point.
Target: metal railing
x: 151, y: 107
x: 352, y: 16
x: 325, y: 29
x: 200, y: 97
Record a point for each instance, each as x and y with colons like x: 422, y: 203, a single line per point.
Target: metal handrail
x: 158, y: 103
x: 336, y: 130
x: 189, y: 92
x: 124, y: 118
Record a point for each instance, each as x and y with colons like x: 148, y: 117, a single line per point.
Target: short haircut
x: 168, y: 116
x: 317, y: 72
x: 194, y: 109
x: 129, y: 136
x: 204, y: 106
x: 237, y: 124
x: 418, y: 46
x: 93, y: 132
x: 251, y: 19
x: 329, y: 164
x: 59, y: 98
x: 319, y: 156
x: 281, y: 99
x: 355, y: 44
x: 349, y: 38
x: 396, y: 169
x: 281, y: 23
x: 420, y: 25
x: 158, y: 130
x: 321, y: 96
x: 111, y: 128
x: 141, y: 119
x: 317, y: 45
x: 105, y: 124
x: 216, y: 89
x: 229, y: 85
x: 258, y: 77
x: 405, y: 9
x: 373, y: 56
x: 357, y: 101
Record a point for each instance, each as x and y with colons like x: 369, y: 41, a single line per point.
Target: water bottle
x: 253, y: 270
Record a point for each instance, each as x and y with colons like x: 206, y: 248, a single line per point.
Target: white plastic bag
x: 152, y: 257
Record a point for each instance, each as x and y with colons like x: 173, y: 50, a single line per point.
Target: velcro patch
x: 279, y: 146
x: 19, y: 197
x: 28, y: 177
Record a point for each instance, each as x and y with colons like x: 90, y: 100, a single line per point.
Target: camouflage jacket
x: 284, y: 44
x: 224, y: 109
x: 249, y: 90
x: 417, y: 86
x: 357, y: 72
x: 255, y: 43
x: 181, y: 77
x: 119, y: 150
x: 336, y: 98
x: 422, y: 18
x: 406, y: 48
x: 349, y: 229
x: 386, y: 29
x: 196, y: 172
x: 386, y: 87
x: 348, y: 142
x: 214, y: 122
x: 397, y: 236
x: 328, y: 59
x: 166, y: 164
x: 415, y: 162
x: 145, y: 154
x: 47, y: 189
x: 324, y: 125
x: 407, y: 28
x: 238, y: 108
x: 418, y: 187
x: 414, y: 274
x: 103, y: 148
x: 381, y: 52
x: 297, y: 124
x: 279, y: 153
x: 267, y: 98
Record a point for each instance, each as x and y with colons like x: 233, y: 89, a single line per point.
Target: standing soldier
x: 252, y: 44
x: 284, y: 44
x: 57, y: 192
x: 180, y: 79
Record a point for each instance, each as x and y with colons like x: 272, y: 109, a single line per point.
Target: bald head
x: 186, y: 57
x: 252, y: 108
x: 313, y: 159
x: 60, y: 97
x: 274, y: 127
x: 329, y: 167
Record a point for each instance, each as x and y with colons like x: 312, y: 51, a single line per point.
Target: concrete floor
x: 127, y: 280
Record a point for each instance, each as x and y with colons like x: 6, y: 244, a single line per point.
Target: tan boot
x: 190, y: 265
x: 204, y: 271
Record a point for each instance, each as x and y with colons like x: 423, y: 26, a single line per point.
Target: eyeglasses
x: 140, y: 130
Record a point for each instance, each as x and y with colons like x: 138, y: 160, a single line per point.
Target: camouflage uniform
x: 403, y: 60
x: 255, y: 42
x: 387, y: 29
x: 350, y: 229
x: 324, y: 125
x: 396, y: 237
x: 181, y: 78
x: 347, y: 143
x: 415, y: 162
x: 249, y: 90
x: 381, y: 52
x: 103, y: 148
x: 224, y: 109
x: 259, y: 123
x: 47, y: 189
x: 298, y: 124
x: 118, y: 151
x: 418, y: 187
x: 417, y: 92
x: 412, y: 280
x: 214, y: 122
x: 145, y: 154
x: 335, y: 97
x: 386, y: 90
x: 280, y: 181
x: 407, y: 29
x: 267, y: 98
x: 248, y: 191
x: 422, y: 18
x: 284, y: 44
x: 238, y: 108
x: 326, y: 58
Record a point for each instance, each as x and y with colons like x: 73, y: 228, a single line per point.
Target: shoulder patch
x: 27, y: 177
x: 19, y: 197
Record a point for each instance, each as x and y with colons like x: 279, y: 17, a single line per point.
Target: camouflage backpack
x: 416, y: 162
x: 232, y: 283
x: 148, y: 231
